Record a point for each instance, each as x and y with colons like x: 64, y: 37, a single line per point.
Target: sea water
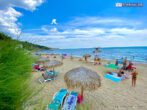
x: 137, y: 54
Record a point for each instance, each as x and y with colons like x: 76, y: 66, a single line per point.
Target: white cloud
x: 105, y: 21
x: 77, y: 33
x: 93, y: 37
x: 84, y: 33
x: 25, y: 4
x: 54, y: 21
x: 9, y: 16
x: 8, y: 19
x: 54, y: 30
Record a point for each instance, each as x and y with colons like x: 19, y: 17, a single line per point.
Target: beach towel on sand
x: 112, y: 66
x: 113, y: 77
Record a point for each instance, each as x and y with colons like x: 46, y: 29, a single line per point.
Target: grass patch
x: 15, y: 74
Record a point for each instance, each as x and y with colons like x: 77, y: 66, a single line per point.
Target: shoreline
x: 92, y: 58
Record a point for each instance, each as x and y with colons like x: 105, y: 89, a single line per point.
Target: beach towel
x: 112, y: 66
x: 57, y: 100
x: 70, y: 101
x: 113, y: 77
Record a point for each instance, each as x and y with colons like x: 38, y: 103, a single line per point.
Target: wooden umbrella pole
x: 82, y: 91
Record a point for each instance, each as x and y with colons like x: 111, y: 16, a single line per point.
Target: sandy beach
x: 110, y: 96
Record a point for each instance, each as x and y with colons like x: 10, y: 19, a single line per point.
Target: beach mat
x: 113, y: 77
x: 112, y: 66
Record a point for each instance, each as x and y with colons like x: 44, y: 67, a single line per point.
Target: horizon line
x: 104, y: 47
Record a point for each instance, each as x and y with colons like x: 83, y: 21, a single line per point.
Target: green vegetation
x: 26, y: 45
x: 15, y: 73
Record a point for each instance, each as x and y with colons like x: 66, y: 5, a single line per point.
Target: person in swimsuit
x: 124, y: 64
x: 116, y: 62
x: 120, y: 73
x: 130, y: 66
x: 134, y: 77
x: 97, y: 60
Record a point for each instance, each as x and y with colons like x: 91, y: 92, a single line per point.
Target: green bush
x: 15, y: 72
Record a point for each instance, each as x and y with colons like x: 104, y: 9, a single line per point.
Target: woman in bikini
x: 134, y: 77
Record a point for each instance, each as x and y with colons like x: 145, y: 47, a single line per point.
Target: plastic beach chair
x: 71, y: 101
x: 51, y: 76
x: 48, y: 73
x: 58, y: 100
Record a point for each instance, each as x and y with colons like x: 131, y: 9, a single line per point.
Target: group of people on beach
x: 127, y: 66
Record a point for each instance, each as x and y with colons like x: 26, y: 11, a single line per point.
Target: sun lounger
x: 48, y: 73
x: 113, y: 77
x: 112, y: 66
x: 58, y: 100
x: 36, y: 67
x: 71, y: 101
x: 49, y: 76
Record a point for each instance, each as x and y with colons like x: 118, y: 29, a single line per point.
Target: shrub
x: 15, y: 72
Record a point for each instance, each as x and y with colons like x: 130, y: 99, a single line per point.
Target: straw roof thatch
x: 53, y: 63
x: 43, y: 60
x: 82, y: 77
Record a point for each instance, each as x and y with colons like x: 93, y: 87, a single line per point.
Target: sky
x: 75, y: 23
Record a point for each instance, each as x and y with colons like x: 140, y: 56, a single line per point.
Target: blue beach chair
x: 71, y: 101
x: 58, y: 100
x: 51, y: 75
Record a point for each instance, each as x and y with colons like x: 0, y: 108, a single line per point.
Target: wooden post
x: 82, y: 91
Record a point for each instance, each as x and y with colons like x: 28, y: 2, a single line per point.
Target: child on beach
x: 134, y: 77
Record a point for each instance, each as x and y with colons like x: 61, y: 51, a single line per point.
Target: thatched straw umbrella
x: 82, y: 77
x: 43, y: 60
x: 53, y: 64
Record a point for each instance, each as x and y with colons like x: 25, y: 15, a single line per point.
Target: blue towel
x: 113, y: 77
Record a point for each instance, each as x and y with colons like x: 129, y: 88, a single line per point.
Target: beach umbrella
x: 43, y: 60
x: 53, y: 64
x: 82, y: 77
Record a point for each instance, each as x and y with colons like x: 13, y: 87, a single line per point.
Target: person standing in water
x: 134, y: 77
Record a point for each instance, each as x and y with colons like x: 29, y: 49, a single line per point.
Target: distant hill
x: 24, y: 44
